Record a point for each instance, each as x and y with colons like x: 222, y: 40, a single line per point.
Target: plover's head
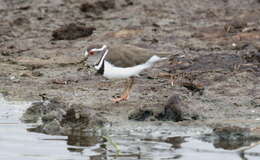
x: 93, y: 49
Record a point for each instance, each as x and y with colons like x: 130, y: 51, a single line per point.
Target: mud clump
x: 193, y: 87
x: 142, y: 115
x: 105, y: 5
x: 257, y: 46
x: 253, y: 57
x: 98, y: 6
x: 235, y: 26
x: 88, y: 7
x: 72, y: 31
x: 21, y: 21
x: 174, y: 110
x: 61, y: 118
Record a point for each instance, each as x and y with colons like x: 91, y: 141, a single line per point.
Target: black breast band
x: 101, y: 69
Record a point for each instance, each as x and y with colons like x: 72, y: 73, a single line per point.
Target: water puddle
x: 155, y: 144
x: 17, y: 143
x: 145, y: 141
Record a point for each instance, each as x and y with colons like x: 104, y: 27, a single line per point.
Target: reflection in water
x: 229, y: 143
x: 175, y: 141
x: 232, y: 144
x: 182, y: 148
x: 83, y: 141
x: 197, y: 149
x: 75, y: 149
x: 18, y: 144
x: 99, y: 157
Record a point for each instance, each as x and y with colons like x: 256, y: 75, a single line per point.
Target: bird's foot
x: 121, y: 98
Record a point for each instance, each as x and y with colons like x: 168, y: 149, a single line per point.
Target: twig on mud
x: 118, y: 152
x: 243, y: 149
x: 186, y: 75
x: 182, y: 74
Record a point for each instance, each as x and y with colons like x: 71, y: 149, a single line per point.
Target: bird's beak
x: 85, y: 58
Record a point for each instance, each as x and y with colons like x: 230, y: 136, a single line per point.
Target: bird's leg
x: 127, y: 90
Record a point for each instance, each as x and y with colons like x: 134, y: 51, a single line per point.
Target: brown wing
x: 127, y: 55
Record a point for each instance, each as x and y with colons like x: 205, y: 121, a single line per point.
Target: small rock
x: 255, y: 103
x: 33, y: 113
x: 235, y: 26
x: 194, y: 87
x: 52, y: 116
x: 97, y: 7
x: 141, y: 114
x: 72, y: 31
x: 52, y: 128
x: 61, y: 118
x: 238, y: 46
x: 14, y: 79
x: 129, y: 3
x: 176, y: 110
x: 59, y: 81
x: 21, y: 21
x: 5, y: 53
x: 249, y: 29
x: 25, y: 74
x: 106, y: 4
x: 257, y: 45
x: 252, y: 57
x: 37, y: 74
x: 88, y: 7
x: 26, y: 7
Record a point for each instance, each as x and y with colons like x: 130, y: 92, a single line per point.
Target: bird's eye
x: 91, y: 52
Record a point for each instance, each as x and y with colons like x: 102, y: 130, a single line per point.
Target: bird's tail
x: 164, y: 58
x: 155, y: 59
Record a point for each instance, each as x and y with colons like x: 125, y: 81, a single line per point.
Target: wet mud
x: 212, y: 78
x: 60, y: 118
x: 72, y: 31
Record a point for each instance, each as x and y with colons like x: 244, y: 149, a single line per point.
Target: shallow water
x: 134, y: 141
x: 188, y: 143
x: 17, y: 143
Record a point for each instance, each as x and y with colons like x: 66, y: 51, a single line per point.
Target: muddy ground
x: 214, y: 68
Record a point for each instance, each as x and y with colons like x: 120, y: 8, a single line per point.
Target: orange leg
x: 125, y: 94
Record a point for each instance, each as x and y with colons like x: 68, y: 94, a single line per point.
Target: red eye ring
x: 91, y: 52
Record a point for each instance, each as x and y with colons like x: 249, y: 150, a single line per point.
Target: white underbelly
x: 113, y: 72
